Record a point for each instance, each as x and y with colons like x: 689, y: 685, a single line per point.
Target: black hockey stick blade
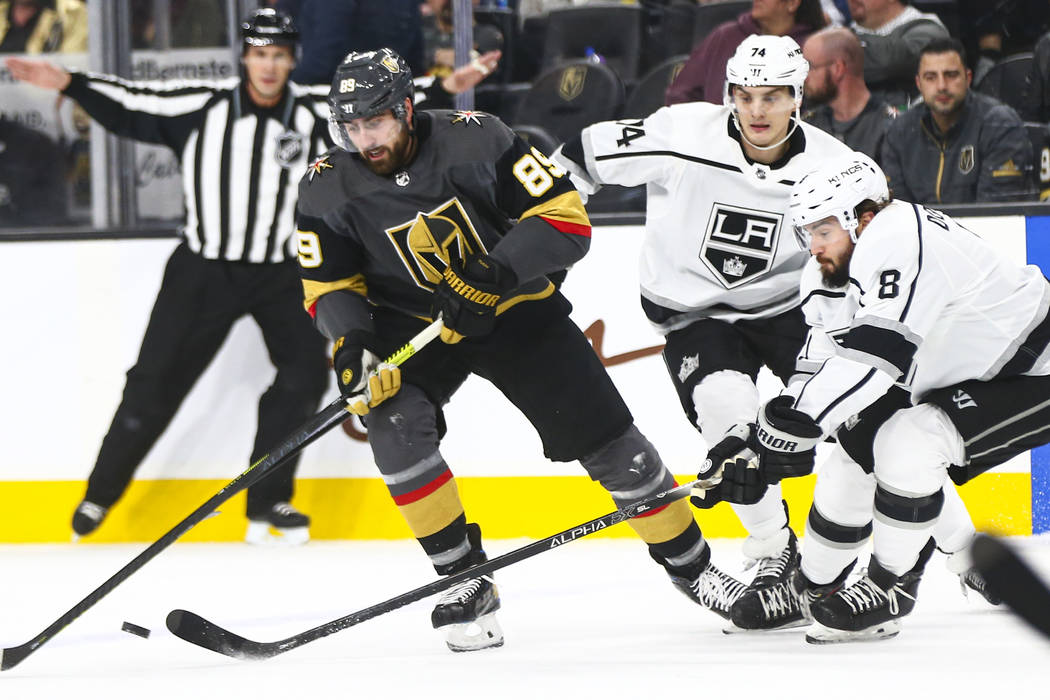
x: 197, y: 630
x: 1009, y: 577
x: 329, y: 417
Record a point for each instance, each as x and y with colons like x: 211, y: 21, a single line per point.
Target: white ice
x: 592, y: 619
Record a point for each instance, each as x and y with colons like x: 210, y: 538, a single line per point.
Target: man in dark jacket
x: 960, y: 146
x: 703, y: 76
x: 840, y: 102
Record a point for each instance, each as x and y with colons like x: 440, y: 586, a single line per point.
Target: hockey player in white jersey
x: 903, y: 295
x: 719, y: 268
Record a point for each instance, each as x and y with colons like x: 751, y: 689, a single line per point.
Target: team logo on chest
x: 427, y: 243
x: 739, y: 243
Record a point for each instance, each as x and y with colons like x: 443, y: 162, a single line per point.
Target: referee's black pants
x: 198, y: 303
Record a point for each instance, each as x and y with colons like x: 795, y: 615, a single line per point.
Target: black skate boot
x: 971, y: 580
x: 782, y: 605
x: 707, y: 585
x: 282, y: 524
x: 871, y: 608
x: 86, y: 518
x: 467, y: 611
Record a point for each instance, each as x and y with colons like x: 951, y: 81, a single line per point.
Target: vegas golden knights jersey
x: 390, y: 238
x: 717, y: 234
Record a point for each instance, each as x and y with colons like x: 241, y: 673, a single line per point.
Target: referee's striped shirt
x: 241, y: 164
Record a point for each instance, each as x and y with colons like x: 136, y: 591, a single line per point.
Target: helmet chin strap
x: 798, y: 118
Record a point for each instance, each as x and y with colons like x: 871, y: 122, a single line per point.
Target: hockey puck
x: 135, y: 629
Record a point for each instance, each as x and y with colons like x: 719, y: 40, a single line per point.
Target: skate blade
x: 482, y: 633
x: 731, y: 628
x: 819, y: 634
x: 265, y: 535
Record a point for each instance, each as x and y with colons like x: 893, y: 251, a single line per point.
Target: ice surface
x: 593, y: 619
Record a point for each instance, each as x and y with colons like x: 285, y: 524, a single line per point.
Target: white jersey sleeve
x: 936, y: 306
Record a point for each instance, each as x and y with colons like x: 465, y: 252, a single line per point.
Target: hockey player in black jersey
x: 420, y: 215
x: 900, y: 294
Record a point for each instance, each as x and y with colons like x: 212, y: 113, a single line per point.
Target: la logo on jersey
x: 739, y: 243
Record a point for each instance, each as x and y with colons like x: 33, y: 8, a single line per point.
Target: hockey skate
x: 770, y: 602
x: 282, y: 524
x: 86, y: 518
x: 782, y: 605
x: 467, y: 615
x: 868, y: 610
x: 712, y: 588
x: 961, y: 564
x: 467, y: 612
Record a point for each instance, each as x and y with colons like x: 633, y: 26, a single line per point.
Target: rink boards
x: 74, y: 316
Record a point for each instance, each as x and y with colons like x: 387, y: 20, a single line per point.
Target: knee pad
x: 629, y: 468
x: 723, y: 399
x: 913, y: 450
x: 403, y: 435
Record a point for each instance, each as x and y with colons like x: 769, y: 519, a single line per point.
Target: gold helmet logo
x: 391, y: 64
x: 571, y: 84
x: 346, y: 377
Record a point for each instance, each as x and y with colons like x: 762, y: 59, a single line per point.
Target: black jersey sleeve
x: 331, y: 267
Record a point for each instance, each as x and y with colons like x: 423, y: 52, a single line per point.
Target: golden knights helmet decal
x: 571, y: 84
x: 428, y: 242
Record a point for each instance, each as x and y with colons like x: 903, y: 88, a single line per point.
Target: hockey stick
x: 1009, y: 577
x: 331, y: 416
x: 196, y: 630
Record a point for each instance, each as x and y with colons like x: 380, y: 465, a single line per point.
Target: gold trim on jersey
x: 314, y: 290
x: 513, y: 301
x: 428, y: 242
x: 567, y: 206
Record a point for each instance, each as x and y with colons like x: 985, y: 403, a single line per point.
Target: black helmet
x: 370, y: 83
x: 266, y: 27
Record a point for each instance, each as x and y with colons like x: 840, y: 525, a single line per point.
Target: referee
x: 242, y: 144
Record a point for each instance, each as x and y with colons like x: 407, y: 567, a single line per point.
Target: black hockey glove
x: 731, y: 471
x: 467, y: 297
x: 362, y: 378
x: 787, y: 440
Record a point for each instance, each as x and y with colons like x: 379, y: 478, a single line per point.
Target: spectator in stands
x: 43, y: 26
x: 959, y: 145
x: 702, y: 78
x: 32, y: 188
x: 438, y: 30
x: 841, y: 103
x: 892, y: 34
x: 1037, y: 96
x: 1001, y: 28
x: 330, y: 30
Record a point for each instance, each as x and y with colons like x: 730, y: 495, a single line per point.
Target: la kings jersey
x: 717, y: 235
x: 928, y: 305
x: 389, y: 239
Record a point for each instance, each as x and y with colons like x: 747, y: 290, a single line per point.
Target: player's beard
x: 397, y: 155
x: 838, y: 276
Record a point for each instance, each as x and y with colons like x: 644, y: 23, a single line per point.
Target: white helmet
x: 763, y: 60
x: 835, y: 189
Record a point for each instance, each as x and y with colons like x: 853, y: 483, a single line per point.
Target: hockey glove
x: 731, y: 471
x: 467, y: 298
x: 362, y: 378
x: 787, y: 440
